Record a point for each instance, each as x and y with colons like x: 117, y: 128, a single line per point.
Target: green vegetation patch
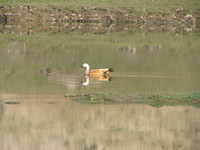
x: 138, y: 6
x: 156, y: 100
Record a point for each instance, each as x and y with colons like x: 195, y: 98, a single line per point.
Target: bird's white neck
x: 87, y: 70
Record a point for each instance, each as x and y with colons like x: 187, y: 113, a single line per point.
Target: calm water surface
x: 143, y: 63
x: 36, y: 71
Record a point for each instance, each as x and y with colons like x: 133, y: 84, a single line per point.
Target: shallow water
x: 143, y: 62
x: 53, y: 122
x: 36, y: 71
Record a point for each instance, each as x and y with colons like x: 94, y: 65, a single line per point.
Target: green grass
x: 137, y: 6
x: 153, y: 100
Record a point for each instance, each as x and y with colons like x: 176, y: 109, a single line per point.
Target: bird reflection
x: 95, y: 77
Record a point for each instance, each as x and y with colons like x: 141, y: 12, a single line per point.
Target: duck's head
x: 85, y: 65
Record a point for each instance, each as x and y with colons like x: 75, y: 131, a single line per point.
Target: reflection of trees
x: 96, y: 77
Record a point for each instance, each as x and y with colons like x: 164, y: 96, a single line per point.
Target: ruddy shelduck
x: 96, y: 72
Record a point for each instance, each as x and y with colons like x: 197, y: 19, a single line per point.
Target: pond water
x: 143, y: 62
x: 52, y: 122
x: 37, y: 70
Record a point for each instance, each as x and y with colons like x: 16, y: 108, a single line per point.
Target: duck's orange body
x: 96, y: 72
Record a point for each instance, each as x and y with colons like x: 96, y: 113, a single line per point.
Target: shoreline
x: 23, y: 18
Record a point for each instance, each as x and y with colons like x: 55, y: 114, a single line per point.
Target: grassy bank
x: 137, y: 6
x: 156, y: 100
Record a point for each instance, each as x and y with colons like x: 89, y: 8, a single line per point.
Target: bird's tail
x: 110, y: 70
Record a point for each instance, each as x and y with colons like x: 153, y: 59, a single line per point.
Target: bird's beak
x: 81, y: 66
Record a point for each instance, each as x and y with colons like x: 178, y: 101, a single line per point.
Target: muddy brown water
x: 36, y: 71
